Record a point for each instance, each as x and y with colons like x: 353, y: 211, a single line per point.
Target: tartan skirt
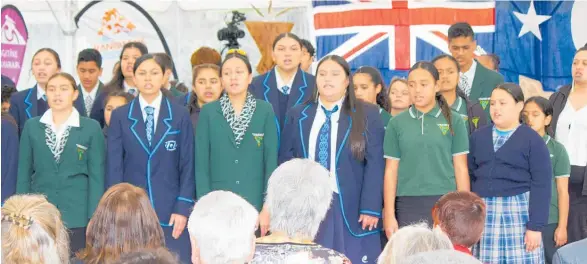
x: 505, y: 228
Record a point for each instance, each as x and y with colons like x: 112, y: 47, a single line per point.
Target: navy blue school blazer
x: 166, y: 169
x: 10, y: 149
x: 360, y: 182
x: 97, y: 112
x: 264, y: 87
x: 23, y: 106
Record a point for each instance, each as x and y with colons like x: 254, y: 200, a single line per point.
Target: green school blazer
x: 483, y: 84
x: 245, y: 170
x: 175, y: 92
x: 76, y: 184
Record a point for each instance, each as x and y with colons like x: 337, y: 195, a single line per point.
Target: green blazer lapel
x: 477, y: 85
x: 100, y: 86
x: 45, y: 150
x: 224, y: 124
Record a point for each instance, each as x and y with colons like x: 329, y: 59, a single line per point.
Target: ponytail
x: 356, y: 112
x: 446, y: 111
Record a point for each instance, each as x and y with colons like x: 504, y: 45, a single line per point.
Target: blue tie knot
x: 329, y: 113
x: 149, y: 110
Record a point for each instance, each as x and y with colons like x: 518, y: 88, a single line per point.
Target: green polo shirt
x: 561, y: 168
x: 460, y: 106
x: 425, y: 147
x: 385, y: 117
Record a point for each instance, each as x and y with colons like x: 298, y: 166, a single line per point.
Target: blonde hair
x: 32, y: 232
x: 411, y: 240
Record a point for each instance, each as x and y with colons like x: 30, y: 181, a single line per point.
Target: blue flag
x: 533, y: 39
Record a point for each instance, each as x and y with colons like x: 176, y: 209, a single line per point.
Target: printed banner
x: 14, y: 39
x: 108, y: 25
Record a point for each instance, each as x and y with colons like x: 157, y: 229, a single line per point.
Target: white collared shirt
x: 128, y: 87
x: 91, y: 94
x: 72, y: 121
x: 319, y: 120
x: 470, y: 74
x: 571, y: 131
x: 40, y: 92
x: 155, y: 104
x: 281, y: 82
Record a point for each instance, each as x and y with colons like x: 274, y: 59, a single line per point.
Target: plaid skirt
x: 505, y: 227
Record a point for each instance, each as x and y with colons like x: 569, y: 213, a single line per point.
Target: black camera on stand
x: 231, y: 32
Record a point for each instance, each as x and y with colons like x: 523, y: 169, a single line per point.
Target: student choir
x: 392, y: 152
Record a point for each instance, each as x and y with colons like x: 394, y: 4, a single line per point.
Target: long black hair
x: 544, y: 106
x: 350, y: 106
x: 444, y: 107
x: 458, y: 90
x: 193, y: 102
x: 118, y: 79
x: 382, y: 98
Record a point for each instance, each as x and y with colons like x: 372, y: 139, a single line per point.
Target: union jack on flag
x: 393, y: 35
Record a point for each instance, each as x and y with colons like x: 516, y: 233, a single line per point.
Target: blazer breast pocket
x: 259, y: 139
x: 81, y: 152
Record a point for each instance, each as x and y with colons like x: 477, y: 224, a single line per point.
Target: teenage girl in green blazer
x: 236, y: 139
x: 62, y: 157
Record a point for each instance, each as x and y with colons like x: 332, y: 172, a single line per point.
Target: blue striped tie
x: 323, y: 147
x: 150, y: 122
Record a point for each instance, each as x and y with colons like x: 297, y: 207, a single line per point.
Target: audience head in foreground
x: 148, y: 256
x: 298, y: 197
x: 225, y: 224
x: 32, y: 232
x: 123, y: 222
x: 446, y: 256
x: 461, y: 215
x: 411, y: 240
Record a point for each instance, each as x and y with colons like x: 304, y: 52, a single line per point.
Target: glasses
x: 238, y: 51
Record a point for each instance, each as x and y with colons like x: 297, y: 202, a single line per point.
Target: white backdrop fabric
x: 186, y: 25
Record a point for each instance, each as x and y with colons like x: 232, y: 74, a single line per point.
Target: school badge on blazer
x: 475, y: 121
x: 484, y: 101
x: 443, y: 128
x: 80, y: 151
x: 171, y: 145
x: 258, y: 138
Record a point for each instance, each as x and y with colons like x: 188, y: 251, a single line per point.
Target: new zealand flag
x: 534, y: 39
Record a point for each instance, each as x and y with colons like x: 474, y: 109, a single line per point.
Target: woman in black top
x: 569, y: 127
